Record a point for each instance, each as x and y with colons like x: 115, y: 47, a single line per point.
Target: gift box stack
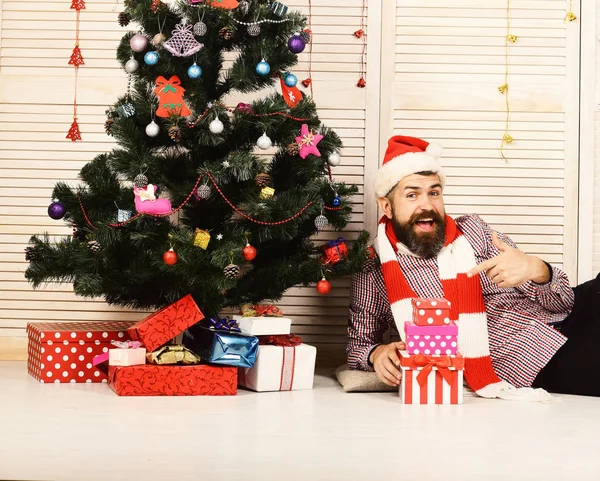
x: 283, y: 362
x: 150, y: 365
x: 432, y: 368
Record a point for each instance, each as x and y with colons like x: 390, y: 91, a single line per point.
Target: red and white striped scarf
x: 455, y: 259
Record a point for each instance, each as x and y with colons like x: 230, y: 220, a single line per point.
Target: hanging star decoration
x: 225, y: 163
x: 308, y: 142
x: 219, y: 236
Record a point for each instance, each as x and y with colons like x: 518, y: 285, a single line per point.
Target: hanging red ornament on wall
x: 323, y: 286
x: 76, y: 60
x: 249, y: 252
x: 170, y: 257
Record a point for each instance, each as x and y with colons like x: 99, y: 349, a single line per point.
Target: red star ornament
x: 308, y: 142
x: 291, y: 95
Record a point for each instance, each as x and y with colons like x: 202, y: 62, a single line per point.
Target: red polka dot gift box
x: 63, y: 351
x: 431, y: 312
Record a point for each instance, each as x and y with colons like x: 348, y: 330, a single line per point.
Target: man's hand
x: 385, y: 360
x: 512, y: 267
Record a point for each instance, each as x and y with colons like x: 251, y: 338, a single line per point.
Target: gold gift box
x: 201, y: 238
x: 267, y: 193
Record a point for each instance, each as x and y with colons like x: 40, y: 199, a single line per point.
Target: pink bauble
x: 138, y: 42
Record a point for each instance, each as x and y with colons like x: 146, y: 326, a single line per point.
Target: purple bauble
x: 57, y: 210
x: 296, y: 44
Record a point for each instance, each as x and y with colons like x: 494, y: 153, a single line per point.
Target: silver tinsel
x: 254, y: 30
x: 244, y: 7
x: 140, y: 181
x: 200, y: 29
x: 321, y: 222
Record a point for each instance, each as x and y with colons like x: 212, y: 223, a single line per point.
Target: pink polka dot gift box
x: 431, y: 312
x: 63, y: 351
x: 431, y: 340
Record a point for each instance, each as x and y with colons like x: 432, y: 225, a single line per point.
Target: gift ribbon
x: 267, y: 310
x: 127, y: 344
x: 168, y: 85
x: 284, y: 340
x: 224, y: 324
x: 427, y: 364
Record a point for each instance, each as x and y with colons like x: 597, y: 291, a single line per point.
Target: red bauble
x: 249, y: 252
x: 170, y: 257
x: 323, y: 286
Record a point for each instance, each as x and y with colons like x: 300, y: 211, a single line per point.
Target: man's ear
x: 386, y: 206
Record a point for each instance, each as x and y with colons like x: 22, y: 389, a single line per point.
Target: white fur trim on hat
x: 394, y: 170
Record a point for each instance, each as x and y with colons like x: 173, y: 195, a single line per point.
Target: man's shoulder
x: 475, y: 229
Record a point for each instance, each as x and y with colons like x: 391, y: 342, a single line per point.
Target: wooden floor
x: 85, y: 432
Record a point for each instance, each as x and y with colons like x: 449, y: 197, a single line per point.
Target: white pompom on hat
x: 405, y: 156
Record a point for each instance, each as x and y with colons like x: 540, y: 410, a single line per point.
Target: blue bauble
x: 336, y: 201
x: 263, y: 68
x: 290, y: 80
x: 151, y: 58
x: 57, y: 210
x: 194, y: 71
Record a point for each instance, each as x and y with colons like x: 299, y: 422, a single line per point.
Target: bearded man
x: 520, y: 323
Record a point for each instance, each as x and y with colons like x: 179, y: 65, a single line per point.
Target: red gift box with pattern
x: 431, y: 312
x: 431, y: 379
x: 166, y: 380
x: 160, y: 327
x: 63, y: 351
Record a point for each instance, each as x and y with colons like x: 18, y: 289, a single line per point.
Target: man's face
x: 416, y: 209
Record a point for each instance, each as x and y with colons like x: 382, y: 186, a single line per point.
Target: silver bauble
x: 132, y: 65
x: 264, y: 142
x: 152, y: 129
x: 200, y: 29
x: 334, y: 159
x: 158, y: 39
x: 216, y: 126
x: 244, y: 7
x: 203, y: 192
x: 321, y: 222
x: 140, y: 181
x: 254, y: 30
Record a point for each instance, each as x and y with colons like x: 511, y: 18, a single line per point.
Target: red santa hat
x: 405, y: 156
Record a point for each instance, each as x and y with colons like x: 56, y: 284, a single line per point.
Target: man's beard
x: 423, y: 244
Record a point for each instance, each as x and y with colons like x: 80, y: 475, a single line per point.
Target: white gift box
x: 127, y: 357
x: 263, y: 326
x: 280, y: 368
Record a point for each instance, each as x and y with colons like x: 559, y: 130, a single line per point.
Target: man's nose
x: 425, y: 203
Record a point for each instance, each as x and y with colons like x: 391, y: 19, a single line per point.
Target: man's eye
x: 411, y: 196
x: 435, y: 193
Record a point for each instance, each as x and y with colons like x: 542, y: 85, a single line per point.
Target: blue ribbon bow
x: 336, y: 242
x: 224, y: 324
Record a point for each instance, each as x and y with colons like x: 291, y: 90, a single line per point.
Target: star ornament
x: 308, y: 142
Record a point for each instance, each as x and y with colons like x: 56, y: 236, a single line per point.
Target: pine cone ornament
x: 372, y: 260
x: 293, y: 149
x: 108, y: 126
x: 225, y: 33
x: 124, y: 19
x: 306, y: 35
x: 31, y: 254
x: 175, y: 133
x: 94, y: 246
x: 231, y: 271
x: 263, y: 180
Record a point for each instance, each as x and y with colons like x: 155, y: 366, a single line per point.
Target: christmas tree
x: 196, y: 197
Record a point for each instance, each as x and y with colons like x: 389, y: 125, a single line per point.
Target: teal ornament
x: 290, y: 80
x: 194, y: 71
x: 151, y: 58
x: 278, y: 9
x: 263, y: 68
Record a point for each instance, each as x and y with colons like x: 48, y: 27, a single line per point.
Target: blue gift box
x: 222, y: 346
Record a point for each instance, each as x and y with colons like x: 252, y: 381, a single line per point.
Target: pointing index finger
x: 484, y: 266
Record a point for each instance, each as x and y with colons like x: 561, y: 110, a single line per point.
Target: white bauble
x: 216, y: 126
x: 264, y: 142
x: 132, y: 65
x: 334, y: 159
x: 152, y: 129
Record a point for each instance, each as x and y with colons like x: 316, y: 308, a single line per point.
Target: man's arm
x: 369, y: 315
x: 509, y: 267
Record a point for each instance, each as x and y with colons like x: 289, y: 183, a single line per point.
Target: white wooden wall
x: 36, y: 95
x: 433, y: 72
